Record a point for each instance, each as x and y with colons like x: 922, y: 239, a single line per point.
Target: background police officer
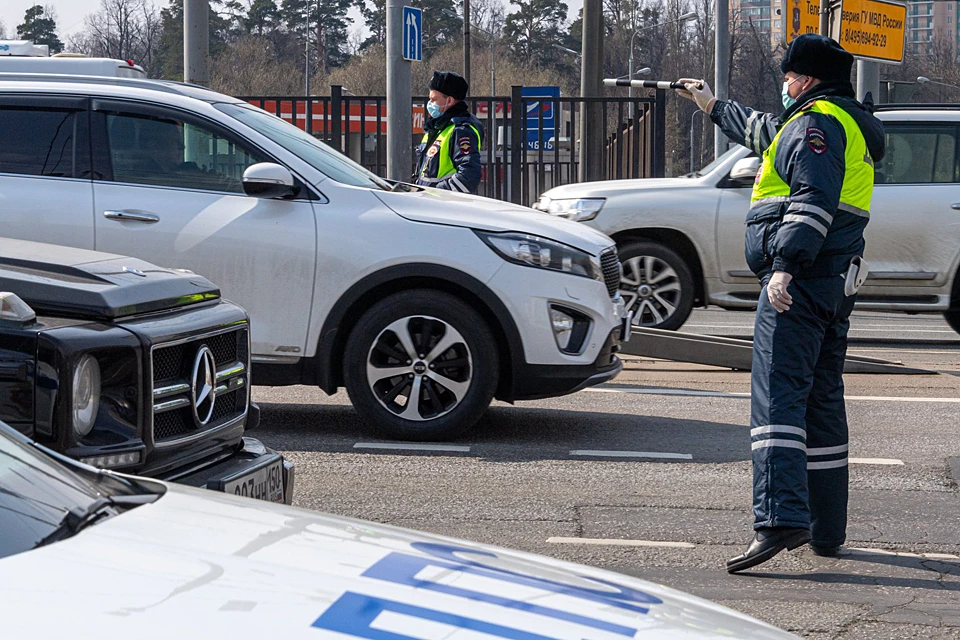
x: 810, y: 204
x: 449, y: 154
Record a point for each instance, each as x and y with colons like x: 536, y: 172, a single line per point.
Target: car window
x: 328, y: 161
x: 44, y: 142
x: 35, y: 495
x: 170, y: 152
x: 919, y: 154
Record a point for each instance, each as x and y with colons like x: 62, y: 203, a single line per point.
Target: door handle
x: 955, y: 206
x: 137, y: 216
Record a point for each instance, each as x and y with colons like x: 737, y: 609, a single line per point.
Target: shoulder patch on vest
x: 465, y: 144
x: 816, y: 140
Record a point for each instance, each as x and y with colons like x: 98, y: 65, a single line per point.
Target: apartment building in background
x: 928, y: 22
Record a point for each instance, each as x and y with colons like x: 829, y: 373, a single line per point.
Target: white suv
x: 424, y: 304
x: 681, y: 239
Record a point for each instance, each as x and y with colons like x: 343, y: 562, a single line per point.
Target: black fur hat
x: 817, y: 56
x: 449, y: 83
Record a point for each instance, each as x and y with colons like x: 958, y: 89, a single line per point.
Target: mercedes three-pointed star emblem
x: 204, y: 385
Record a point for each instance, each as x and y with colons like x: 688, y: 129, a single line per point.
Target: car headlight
x: 532, y: 251
x: 576, y: 209
x: 86, y: 395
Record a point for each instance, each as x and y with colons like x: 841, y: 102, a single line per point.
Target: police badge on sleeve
x: 816, y: 140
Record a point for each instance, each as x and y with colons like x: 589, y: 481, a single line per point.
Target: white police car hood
x: 437, y: 206
x: 207, y: 565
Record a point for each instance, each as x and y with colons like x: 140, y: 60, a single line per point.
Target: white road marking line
x: 885, y: 552
x: 405, y: 446
x: 660, y: 391
x: 886, y: 461
x: 630, y: 454
x: 610, y: 542
x: 920, y: 351
x: 853, y: 327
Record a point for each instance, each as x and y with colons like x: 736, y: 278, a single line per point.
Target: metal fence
x: 541, y: 158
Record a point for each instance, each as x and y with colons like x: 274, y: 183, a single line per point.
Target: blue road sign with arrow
x: 412, y: 34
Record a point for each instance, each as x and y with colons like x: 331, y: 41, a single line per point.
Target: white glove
x: 693, y: 91
x: 777, y: 292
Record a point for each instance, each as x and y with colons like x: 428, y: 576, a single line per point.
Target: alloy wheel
x: 650, y: 288
x: 419, y: 367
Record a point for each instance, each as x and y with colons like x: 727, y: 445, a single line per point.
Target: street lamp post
x: 926, y: 80
x: 691, y: 15
x: 693, y: 118
x: 493, y: 52
x: 306, y: 51
x: 566, y: 50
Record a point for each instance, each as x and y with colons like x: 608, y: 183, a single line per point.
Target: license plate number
x: 263, y: 484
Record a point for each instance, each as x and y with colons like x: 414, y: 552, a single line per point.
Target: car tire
x: 394, y: 353
x: 656, y: 284
x: 952, y: 316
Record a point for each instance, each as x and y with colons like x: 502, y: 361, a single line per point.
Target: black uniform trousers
x: 797, y: 418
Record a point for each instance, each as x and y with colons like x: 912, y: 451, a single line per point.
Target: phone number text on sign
x: 872, y: 29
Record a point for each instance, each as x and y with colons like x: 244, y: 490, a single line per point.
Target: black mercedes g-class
x: 125, y: 365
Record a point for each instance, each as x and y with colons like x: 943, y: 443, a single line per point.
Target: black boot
x: 768, y: 542
x: 825, y: 552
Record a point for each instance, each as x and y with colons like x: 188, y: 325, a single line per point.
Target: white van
x: 22, y: 56
x: 424, y: 304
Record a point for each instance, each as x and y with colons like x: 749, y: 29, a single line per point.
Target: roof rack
x: 918, y: 106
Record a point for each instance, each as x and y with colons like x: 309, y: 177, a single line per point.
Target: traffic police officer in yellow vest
x: 804, y: 230
x: 449, y: 154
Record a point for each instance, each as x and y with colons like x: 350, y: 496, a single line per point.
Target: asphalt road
x: 650, y: 476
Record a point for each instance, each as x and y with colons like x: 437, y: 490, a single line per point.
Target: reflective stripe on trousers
x: 798, y: 419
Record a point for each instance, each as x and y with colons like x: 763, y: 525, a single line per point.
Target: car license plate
x: 265, y: 483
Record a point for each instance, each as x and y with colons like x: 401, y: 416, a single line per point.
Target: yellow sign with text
x: 801, y: 16
x: 872, y: 29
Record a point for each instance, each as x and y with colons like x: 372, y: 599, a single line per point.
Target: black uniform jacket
x: 814, y: 170
x: 464, y: 151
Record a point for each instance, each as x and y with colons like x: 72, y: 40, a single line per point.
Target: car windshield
x: 36, y: 492
x: 328, y: 161
x: 713, y: 165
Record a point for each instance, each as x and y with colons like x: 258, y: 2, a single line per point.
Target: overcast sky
x: 70, y: 13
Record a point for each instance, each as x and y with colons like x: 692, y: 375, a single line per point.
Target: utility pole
x: 466, y: 41
x: 591, y: 82
x: 399, y: 99
x: 721, y: 65
x: 196, y: 41
x: 868, y: 80
x: 306, y: 50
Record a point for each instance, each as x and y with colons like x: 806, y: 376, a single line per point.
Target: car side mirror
x: 744, y: 172
x: 268, y: 180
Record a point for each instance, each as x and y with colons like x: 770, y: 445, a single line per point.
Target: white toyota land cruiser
x: 681, y: 239
x: 424, y: 304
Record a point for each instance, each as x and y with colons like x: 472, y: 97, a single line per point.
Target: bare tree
x: 123, y: 29
x: 250, y: 67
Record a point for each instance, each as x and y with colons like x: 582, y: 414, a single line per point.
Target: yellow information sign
x: 801, y: 16
x: 872, y: 29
